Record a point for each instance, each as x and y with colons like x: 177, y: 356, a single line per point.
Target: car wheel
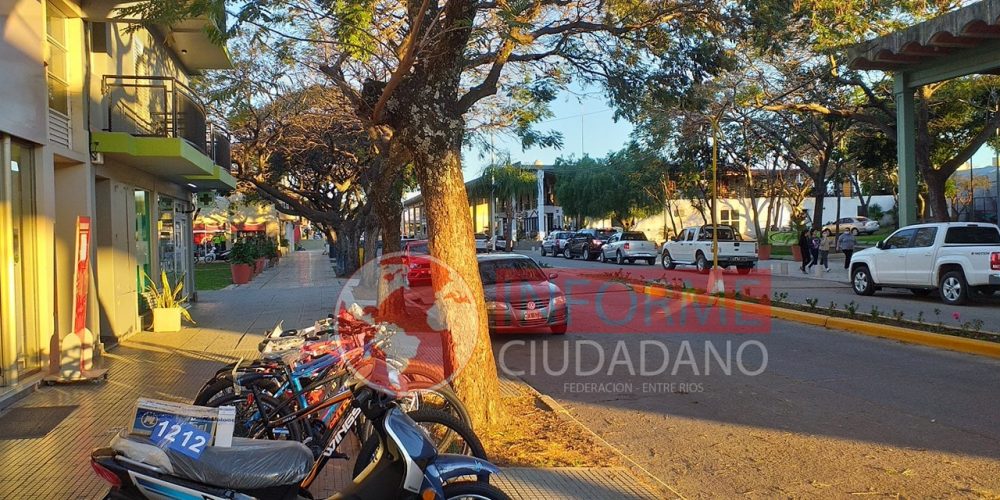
x: 920, y: 292
x: 543, y: 251
x: 861, y: 281
x: 668, y: 262
x: 558, y: 329
x: 854, y: 231
x: 601, y: 257
x: 566, y: 253
x: 701, y: 263
x: 954, y: 289
x: 651, y: 261
x: 744, y: 269
x: 619, y: 259
x: 586, y: 254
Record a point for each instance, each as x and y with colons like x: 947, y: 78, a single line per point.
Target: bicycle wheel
x: 448, y: 434
x: 251, y: 424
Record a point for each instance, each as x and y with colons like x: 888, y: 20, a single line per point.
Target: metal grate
x: 32, y: 422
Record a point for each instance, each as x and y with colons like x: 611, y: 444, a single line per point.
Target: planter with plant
x: 167, y: 303
x: 260, y: 259
x: 241, y: 262
x: 271, y: 253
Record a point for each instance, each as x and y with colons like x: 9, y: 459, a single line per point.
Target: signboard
x: 81, y: 275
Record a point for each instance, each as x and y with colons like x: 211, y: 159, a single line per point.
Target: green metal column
x: 906, y: 150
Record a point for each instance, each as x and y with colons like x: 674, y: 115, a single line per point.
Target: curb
x: 564, y: 413
x: 902, y: 334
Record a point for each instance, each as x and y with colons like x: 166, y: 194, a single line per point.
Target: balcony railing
x: 154, y: 106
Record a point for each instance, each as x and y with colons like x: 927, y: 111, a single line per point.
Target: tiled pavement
x: 173, y: 366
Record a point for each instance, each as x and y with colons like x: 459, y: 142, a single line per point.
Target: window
x: 925, y: 237
x: 56, y: 67
x: 99, y: 43
x: 899, y: 239
x: 689, y: 235
x: 633, y: 236
x: 730, y: 217
x: 972, y: 235
x: 509, y: 270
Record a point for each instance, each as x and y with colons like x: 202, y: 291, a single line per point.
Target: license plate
x: 532, y: 315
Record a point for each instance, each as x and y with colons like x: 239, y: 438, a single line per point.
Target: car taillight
x: 995, y: 261
x: 626, y: 246
x: 596, y: 242
x: 106, y: 475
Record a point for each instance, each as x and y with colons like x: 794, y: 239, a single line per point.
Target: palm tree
x: 506, y: 183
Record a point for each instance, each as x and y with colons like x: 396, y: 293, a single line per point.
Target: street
x: 829, y: 287
x: 793, y: 411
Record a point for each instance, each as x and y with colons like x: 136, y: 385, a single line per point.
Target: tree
x: 507, y: 183
x: 414, y: 69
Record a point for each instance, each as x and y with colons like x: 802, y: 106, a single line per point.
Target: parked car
x: 555, y: 241
x: 693, y: 246
x: 954, y: 258
x: 482, y: 242
x: 587, y: 243
x: 629, y: 246
x: 418, y: 265
x: 520, y: 297
x: 856, y: 225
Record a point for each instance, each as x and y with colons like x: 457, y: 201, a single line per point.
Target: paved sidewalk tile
x: 173, y: 366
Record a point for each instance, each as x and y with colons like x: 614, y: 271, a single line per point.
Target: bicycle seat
x: 249, y: 464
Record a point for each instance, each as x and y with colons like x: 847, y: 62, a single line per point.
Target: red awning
x: 251, y: 227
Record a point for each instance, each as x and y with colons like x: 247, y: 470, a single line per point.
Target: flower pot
x: 241, y: 273
x: 764, y: 252
x: 261, y: 262
x: 796, y: 253
x: 166, y: 319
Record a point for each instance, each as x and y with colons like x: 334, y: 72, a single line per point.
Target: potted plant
x: 166, y: 303
x: 241, y: 262
x: 260, y: 260
x: 271, y: 251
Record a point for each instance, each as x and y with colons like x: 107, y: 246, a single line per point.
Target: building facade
x: 96, y: 120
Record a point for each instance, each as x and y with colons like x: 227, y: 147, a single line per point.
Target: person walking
x: 825, y: 244
x: 814, y: 247
x: 805, y: 249
x: 845, y: 243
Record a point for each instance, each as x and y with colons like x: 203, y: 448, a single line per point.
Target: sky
x: 585, y: 121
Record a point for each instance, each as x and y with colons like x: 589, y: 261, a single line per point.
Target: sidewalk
x: 46, y: 438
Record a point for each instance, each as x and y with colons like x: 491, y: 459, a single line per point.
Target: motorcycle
x: 410, y: 466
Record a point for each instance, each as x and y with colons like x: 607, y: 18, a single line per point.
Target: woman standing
x: 805, y: 248
x: 825, y: 244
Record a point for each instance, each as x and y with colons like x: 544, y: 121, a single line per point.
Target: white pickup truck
x: 955, y: 258
x: 694, y: 247
x: 628, y: 246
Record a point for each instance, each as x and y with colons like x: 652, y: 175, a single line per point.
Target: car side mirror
x: 880, y: 245
x: 553, y: 276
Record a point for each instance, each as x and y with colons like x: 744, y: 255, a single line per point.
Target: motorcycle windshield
x: 410, y: 437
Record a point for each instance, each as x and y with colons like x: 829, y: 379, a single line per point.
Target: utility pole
x: 715, y: 284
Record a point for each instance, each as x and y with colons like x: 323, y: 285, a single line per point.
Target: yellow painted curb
x: 902, y: 334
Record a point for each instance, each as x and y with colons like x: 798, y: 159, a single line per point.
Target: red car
x: 419, y: 273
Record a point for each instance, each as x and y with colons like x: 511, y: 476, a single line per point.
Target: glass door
x: 18, y: 190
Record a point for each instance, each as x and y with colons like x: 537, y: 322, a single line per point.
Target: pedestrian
x: 845, y: 243
x: 804, y: 249
x: 825, y: 244
x: 814, y: 247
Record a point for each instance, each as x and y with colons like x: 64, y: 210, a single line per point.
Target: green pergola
x: 960, y: 43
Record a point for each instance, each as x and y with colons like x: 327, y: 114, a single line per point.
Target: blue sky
x: 587, y: 125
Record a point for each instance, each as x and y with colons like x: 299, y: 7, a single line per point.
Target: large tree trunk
x: 936, y: 200
x: 451, y: 241
x: 819, y: 195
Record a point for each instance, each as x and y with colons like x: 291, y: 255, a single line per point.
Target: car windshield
x: 509, y: 270
x: 633, y: 236
x: 862, y: 219
x: 972, y: 235
x: 725, y: 234
x: 481, y: 236
x: 418, y: 249
x: 604, y: 233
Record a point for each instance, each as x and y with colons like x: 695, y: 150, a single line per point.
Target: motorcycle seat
x: 248, y: 464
